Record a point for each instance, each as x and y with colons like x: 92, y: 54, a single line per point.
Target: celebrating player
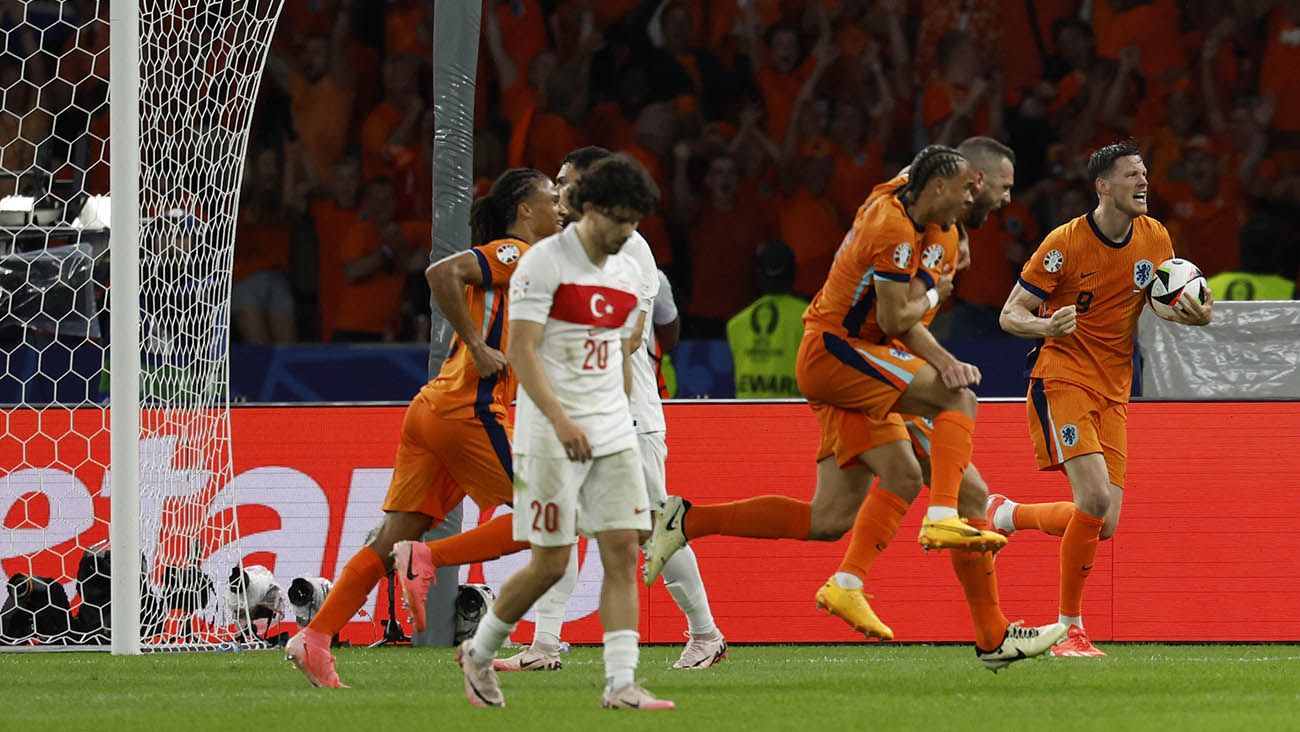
x: 997, y: 641
x: 1080, y: 295
x: 417, y: 561
x: 859, y: 358
x: 574, y: 306
x: 456, y: 433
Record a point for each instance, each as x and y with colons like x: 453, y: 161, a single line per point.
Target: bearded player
x: 998, y: 642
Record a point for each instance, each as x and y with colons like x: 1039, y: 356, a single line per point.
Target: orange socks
x: 1050, y: 518
x: 1078, y: 550
x: 873, y: 529
x: 980, y: 583
x: 950, y: 450
x: 480, y: 544
x: 359, y: 576
x: 764, y: 517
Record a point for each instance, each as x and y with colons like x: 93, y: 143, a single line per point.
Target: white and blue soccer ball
x: 1172, y: 278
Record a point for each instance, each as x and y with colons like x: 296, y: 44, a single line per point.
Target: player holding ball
x: 1080, y: 295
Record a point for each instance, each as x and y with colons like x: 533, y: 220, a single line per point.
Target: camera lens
x: 238, y: 579
x: 469, y: 601
x: 301, y: 591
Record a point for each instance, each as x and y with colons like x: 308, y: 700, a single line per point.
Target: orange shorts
x: 440, y: 461
x: 1067, y: 420
x: 847, y: 434
x: 852, y: 374
x: 919, y: 430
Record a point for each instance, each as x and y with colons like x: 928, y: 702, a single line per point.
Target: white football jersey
x: 587, y: 312
x: 647, y: 408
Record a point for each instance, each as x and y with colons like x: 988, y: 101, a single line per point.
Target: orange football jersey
x: 1077, y: 265
x: 882, y: 245
x: 457, y: 391
x: 938, y: 250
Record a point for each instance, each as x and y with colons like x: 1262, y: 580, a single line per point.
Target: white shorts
x: 654, y: 458
x: 552, y: 492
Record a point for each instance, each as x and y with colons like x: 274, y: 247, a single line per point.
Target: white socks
x: 682, y: 580
x: 550, y: 606
x: 939, y: 513
x: 1068, y: 620
x: 491, y: 633
x: 847, y: 581
x: 1004, y: 516
x: 621, y: 655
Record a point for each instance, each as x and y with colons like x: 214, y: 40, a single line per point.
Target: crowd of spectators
x: 762, y: 121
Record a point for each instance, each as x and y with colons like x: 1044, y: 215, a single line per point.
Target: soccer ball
x: 1172, y: 278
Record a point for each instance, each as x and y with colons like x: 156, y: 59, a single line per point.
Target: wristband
x: 932, y: 295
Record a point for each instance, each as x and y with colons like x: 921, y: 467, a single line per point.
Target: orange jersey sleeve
x: 1077, y: 265
x: 938, y: 257
x: 938, y: 250
x: 882, y: 245
x: 458, y: 391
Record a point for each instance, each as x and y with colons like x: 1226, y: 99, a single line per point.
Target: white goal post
x: 127, y: 273
x: 124, y: 321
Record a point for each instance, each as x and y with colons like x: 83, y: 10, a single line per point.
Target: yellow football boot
x: 851, y: 607
x: 955, y: 533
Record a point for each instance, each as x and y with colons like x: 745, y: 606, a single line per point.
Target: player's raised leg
x: 417, y: 562
x: 1007, y: 517
x: 877, y: 519
x: 761, y: 517
x: 309, y: 649
x: 826, y: 518
x: 953, y: 410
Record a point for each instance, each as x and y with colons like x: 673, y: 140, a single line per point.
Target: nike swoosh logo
x: 671, y: 524
x: 479, y: 694
x: 1088, y: 274
x: 410, y: 556
x: 525, y: 664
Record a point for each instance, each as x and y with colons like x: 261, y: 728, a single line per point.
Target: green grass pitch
x: 1139, y: 687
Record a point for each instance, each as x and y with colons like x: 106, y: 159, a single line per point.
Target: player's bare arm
x: 1188, y: 311
x: 955, y: 374
x: 525, y: 335
x: 635, y: 338
x: 629, y: 347
x: 899, y: 309
x: 448, y: 277
x: 630, y: 344
x: 1019, y: 320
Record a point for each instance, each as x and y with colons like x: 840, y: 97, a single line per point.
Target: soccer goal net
x: 114, y: 314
